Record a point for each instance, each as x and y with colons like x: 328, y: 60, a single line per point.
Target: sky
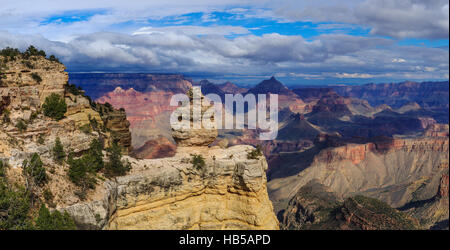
x: 299, y: 42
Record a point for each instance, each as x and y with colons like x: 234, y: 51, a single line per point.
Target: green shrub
x: 54, y: 220
x: 115, y: 166
x: 9, y: 53
x: 14, y: 208
x: 86, y: 128
x: 58, y: 151
x: 40, y: 139
x: 73, y: 89
x: 34, y: 170
x: 28, y: 64
x: 3, y: 167
x: 54, y: 107
x: 33, y: 51
x: 255, y: 153
x: 53, y: 59
x: 94, y: 123
x: 6, y: 114
x: 48, y: 196
x: 108, y: 106
x: 33, y: 116
x: 36, y: 77
x: 82, y: 170
x: 198, y: 162
x: 21, y: 126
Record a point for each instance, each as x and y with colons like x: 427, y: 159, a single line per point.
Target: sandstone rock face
x: 116, y: 122
x: 170, y: 193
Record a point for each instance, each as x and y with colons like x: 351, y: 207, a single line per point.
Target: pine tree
x: 34, y: 171
x: 96, y: 153
x: 58, y: 151
x: 115, y: 166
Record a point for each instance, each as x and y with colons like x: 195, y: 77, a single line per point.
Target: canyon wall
x: 397, y: 171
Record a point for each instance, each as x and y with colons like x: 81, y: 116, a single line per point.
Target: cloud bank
x: 156, y: 36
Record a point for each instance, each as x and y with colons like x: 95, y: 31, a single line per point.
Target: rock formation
x: 198, y: 188
x: 195, y: 134
x: 229, y: 192
x: 115, y: 121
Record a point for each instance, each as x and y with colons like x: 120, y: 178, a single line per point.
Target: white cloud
x: 353, y: 75
x: 429, y: 69
x: 398, y: 60
x: 327, y: 56
x: 194, y: 30
x: 393, y: 18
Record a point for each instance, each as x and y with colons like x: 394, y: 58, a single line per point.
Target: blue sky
x: 301, y: 42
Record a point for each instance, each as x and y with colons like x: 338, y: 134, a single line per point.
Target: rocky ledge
x: 228, y: 192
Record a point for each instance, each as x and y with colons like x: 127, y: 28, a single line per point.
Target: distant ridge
x: 271, y: 85
x: 231, y: 88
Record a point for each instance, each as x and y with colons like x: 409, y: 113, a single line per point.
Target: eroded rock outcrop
x: 200, y: 187
x: 116, y: 123
x: 229, y: 192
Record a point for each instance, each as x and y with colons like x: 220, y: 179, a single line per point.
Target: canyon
x: 349, y: 157
x: 334, y: 135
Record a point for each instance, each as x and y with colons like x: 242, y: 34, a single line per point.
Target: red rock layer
x: 357, y: 152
